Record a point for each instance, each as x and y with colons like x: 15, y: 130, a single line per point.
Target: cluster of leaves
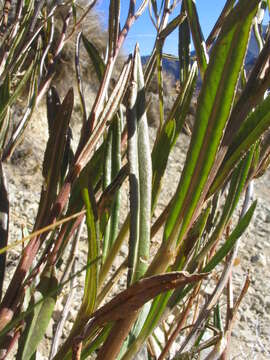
x: 227, y: 149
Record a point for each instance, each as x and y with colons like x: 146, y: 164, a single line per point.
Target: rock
x: 259, y: 259
x: 142, y: 354
x: 49, y: 330
x: 39, y: 356
x: 267, y: 218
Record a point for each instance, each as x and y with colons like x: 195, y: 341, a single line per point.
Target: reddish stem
x: 178, y: 327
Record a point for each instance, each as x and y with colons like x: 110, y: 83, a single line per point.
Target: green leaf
x: 91, y: 278
x: 58, y: 121
x: 237, y: 185
x: 230, y: 242
x: 116, y: 166
x: 95, y: 57
x: 128, y: 302
x: 150, y: 68
x: 219, y: 23
x: 32, y: 97
x: 192, y: 240
x: 160, y: 154
x: 159, y: 303
x: 11, y: 99
x: 217, y: 318
x: 220, y: 255
x: 170, y: 132
x: 52, y: 293
x: 107, y: 177
x: 214, y: 106
x: 112, y: 165
x: 134, y: 192
x: 91, y: 346
x: 4, y: 110
x: 140, y: 175
x: 94, y: 170
x: 136, y: 329
x: 197, y: 35
x: 184, y: 48
x: 4, y: 93
x: 157, y: 308
x: 252, y: 128
x: 38, y: 320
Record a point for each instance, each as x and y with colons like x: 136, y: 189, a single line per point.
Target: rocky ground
x: 251, y: 335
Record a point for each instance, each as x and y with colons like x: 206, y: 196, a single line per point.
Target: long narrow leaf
x: 237, y: 184
x: 220, y: 255
x: 95, y: 57
x: 114, y: 23
x: 177, y: 21
x: 38, y: 320
x: 197, y: 35
x: 4, y: 224
x: 91, y: 278
x: 23, y: 315
x: 116, y: 166
x: 253, y: 127
x: 159, y: 303
x: 170, y: 132
x: 53, y: 158
x: 140, y: 175
x: 137, y: 295
x: 214, y: 105
x: 17, y: 92
x: 237, y: 232
x: 4, y: 110
x: 184, y: 48
x: 107, y: 177
x: 112, y: 165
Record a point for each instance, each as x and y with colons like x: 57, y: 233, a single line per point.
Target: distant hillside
x: 253, y: 49
x: 172, y: 66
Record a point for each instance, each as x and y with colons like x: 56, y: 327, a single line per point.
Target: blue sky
x: 143, y: 30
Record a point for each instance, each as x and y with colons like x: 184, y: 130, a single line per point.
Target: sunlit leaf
x: 95, y: 57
